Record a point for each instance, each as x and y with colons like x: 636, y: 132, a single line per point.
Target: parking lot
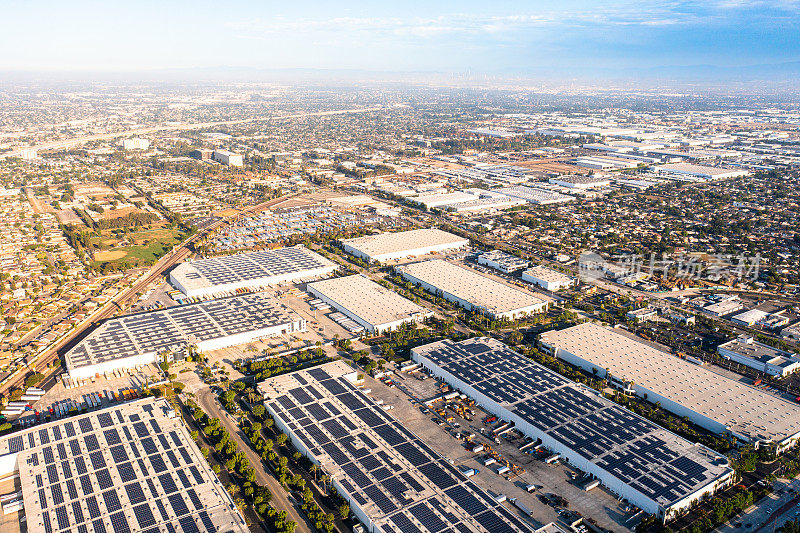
x: 58, y: 393
x: 558, y: 494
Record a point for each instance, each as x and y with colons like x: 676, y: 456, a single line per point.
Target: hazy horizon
x: 726, y: 39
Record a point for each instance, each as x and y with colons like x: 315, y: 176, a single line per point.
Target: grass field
x: 141, y: 248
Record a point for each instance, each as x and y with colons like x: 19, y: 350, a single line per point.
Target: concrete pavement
x: 770, y: 512
x: 280, y: 499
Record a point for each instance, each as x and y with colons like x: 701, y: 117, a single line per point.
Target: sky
x: 489, y: 36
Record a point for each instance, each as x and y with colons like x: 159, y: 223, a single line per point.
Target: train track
x: 117, y: 304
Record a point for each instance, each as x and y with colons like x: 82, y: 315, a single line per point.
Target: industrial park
x: 398, y: 268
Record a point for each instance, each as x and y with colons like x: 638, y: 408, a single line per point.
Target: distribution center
x: 708, y: 399
x: 140, y: 339
x: 393, y: 481
x: 658, y: 471
x: 473, y: 291
x: 403, y: 244
x: 216, y: 275
x: 133, y: 467
x: 369, y: 304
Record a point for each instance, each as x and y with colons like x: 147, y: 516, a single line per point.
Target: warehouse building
x: 142, y: 338
x: 581, y: 182
x: 432, y: 201
x: 658, y: 471
x: 535, y: 196
x: 132, y: 467
x: 502, y: 261
x: 547, y: 278
x: 473, y: 291
x: 700, y: 172
x: 369, y: 304
x: 393, y: 481
x: 710, y: 400
x: 764, y: 358
x: 253, y: 270
x: 403, y: 244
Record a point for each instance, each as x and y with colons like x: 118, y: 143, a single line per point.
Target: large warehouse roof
x: 741, y: 408
x: 481, y: 292
x: 645, y: 457
x: 133, y: 467
x: 403, y: 243
x: 362, y: 299
x: 174, y: 327
x: 249, y: 269
x: 399, y: 483
x: 535, y: 195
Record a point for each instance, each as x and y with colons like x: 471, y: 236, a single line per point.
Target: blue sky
x: 510, y: 37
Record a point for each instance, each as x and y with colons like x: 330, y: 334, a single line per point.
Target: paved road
x: 769, y: 513
x: 280, y: 500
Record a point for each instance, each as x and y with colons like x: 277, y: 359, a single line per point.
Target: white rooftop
x: 368, y: 300
x: 402, y: 241
x: 470, y: 286
x: 742, y: 408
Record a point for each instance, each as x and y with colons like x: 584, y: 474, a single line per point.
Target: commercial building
x: 473, y: 291
x: 641, y: 315
x: 203, y: 154
x: 132, y: 467
x: 764, y: 358
x: 502, y: 261
x: 402, y: 244
x: 217, y: 275
x: 791, y: 332
x: 710, y: 400
x: 724, y: 307
x: 535, y: 196
x: 135, y: 143
x: 393, y: 481
x: 658, y: 471
x: 750, y: 317
x: 369, y: 304
x: 547, y: 278
x: 142, y: 338
x: 701, y: 171
x: 228, y: 158
x: 581, y: 182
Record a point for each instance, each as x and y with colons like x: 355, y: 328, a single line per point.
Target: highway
x: 75, y: 141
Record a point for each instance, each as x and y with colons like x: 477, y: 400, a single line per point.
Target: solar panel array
x: 265, y: 267
x: 644, y: 456
x: 174, y: 327
x: 144, y: 474
x: 395, y: 478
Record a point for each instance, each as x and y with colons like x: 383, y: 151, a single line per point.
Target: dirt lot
x: 598, y: 504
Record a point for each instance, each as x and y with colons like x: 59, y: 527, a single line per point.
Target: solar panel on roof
x: 188, y: 525
x: 77, y: 511
x: 85, y: 425
x: 119, y: 523
x: 178, y: 505
x: 112, y: 501
x: 71, y: 490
